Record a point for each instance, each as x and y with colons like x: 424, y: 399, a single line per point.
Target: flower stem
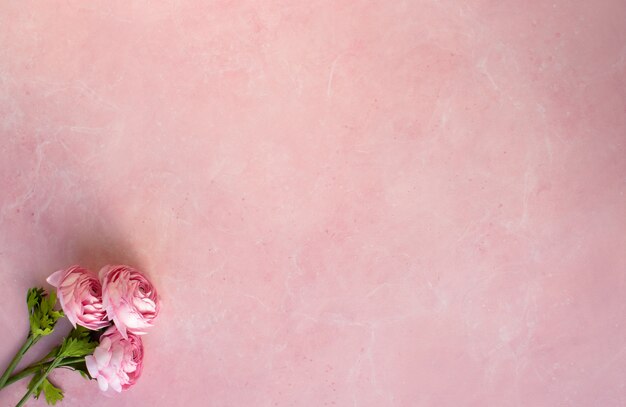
x: 22, y: 374
x: 35, y: 367
x: 56, y: 362
x: 30, y: 341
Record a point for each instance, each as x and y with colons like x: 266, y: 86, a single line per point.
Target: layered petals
x: 80, y: 294
x: 129, y: 299
x: 117, y: 362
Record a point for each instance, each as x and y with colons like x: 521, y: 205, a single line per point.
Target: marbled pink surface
x: 389, y: 203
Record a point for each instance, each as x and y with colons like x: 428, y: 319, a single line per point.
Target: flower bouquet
x: 108, y: 311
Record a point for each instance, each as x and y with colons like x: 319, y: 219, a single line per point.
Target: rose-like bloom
x: 80, y: 294
x: 117, y: 361
x: 130, y: 300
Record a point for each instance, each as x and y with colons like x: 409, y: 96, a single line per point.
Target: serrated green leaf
x: 42, y: 315
x: 52, y: 393
x: 77, y: 348
x: 34, y: 297
x: 56, y: 314
x: 80, y: 332
x: 33, y: 382
x: 52, y: 299
x: 78, y: 343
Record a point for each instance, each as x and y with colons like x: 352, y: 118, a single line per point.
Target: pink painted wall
x: 377, y: 203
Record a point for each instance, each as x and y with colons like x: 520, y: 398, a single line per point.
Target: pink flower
x: 117, y: 362
x: 129, y: 299
x: 80, y: 294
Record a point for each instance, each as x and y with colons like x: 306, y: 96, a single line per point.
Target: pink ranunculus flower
x: 80, y: 294
x: 130, y: 300
x: 117, y: 361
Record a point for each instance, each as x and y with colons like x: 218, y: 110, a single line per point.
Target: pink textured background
x: 389, y: 203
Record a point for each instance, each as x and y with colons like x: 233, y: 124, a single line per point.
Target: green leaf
x: 80, y: 342
x: 34, y: 297
x: 76, y: 348
x: 42, y: 315
x: 51, y: 392
x: 80, y: 332
x: 80, y: 367
x: 33, y: 382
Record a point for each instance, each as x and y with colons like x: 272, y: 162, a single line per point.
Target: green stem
x: 35, y: 367
x: 30, y: 341
x: 69, y: 363
x: 56, y: 362
x: 22, y: 374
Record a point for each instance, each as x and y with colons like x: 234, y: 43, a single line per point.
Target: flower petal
x: 55, y: 278
x: 102, y: 383
x: 92, y: 366
x: 102, y: 356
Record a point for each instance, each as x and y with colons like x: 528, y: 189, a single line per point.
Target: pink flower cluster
x: 119, y: 294
x: 117, y: 361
